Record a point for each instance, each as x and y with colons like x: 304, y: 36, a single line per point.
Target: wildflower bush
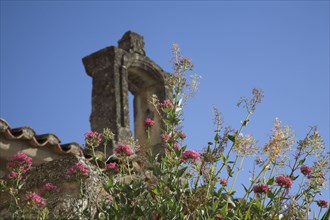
x: 285, y: 182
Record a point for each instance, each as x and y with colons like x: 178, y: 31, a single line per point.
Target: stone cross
x: 115, y: 72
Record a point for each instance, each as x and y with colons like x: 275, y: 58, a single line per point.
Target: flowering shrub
x: 33, y: 199
x: 322, y: 203
x: 223, y: 182
x: 78, y: 169
x: 112, y: 167
x: 306, y: 170
x: 165, y: 137
x: 19, y: 163
x: 149, y: 122
x: 166, y: 105
x: 49, y: 188
x: 124, y: 150
x: 185, y: 184
x: 190, y: 155
x: 284, y: 181
x: 93, y: 138
x: 261, y: 188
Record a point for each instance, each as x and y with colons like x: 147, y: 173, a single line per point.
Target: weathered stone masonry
x: 115, y: 71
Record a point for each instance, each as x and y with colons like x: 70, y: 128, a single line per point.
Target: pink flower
x: 306, y: 170
x: 33, y: 199
x: 165, y: 137
x: 223, y: 181
x: 261, y: 188
x: 93, y: 138
x: 112, y: 167
x: 322, y: 203
x: 149, y: 122
x: 124, y: 150
x: 19, y: 162
x: 190, y: 155
x: 12, y: 175
x: 79, y: 169
x: 167, y: 104
x: 284, y: 181
x: 49, y: 187
x: 182, y: 135
x: 176, y: 146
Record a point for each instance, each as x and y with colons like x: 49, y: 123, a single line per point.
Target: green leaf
x: 216, y: 137
x: 223, y: 158
x: 245, y: 122
x: 326, y: 214
x: 301, y: 162
x: 271, y: 195
x: 229, y: 170
x: 157, y: 170
x: 231, y: 137
x: 181, y: 172
x: 270, y: 182
x: 109, y: 183
x: 223, y: 210
x: 246, y: 190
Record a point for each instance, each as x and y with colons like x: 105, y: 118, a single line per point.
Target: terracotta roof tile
x: 49, y: 141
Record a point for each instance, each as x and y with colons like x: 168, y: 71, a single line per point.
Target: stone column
x: 109, y: 93
x: 115, y: 71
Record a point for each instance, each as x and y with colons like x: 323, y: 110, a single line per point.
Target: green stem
x: 300, y: 186
x: 318, y: 216
x: 251, y: 203
x: 233, y: 144
x: 128, y: 167
x: 238, y: 170
x: 199, y: 175
x: 271, y: 172
x: 105, y: 150
x: 252, y: 182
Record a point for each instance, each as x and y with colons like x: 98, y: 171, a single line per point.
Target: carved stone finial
x: 132, y: 42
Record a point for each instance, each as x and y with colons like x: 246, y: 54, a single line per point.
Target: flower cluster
x: 189, y: 155
x: 124, y: 150
x: 261, y: 188
x: 280, y: 141
x: 149, y: 123
x: 176, y: 146
x: 33, y: 199
x: 306, y: 170
x: 182, y: 135
x: 49, y: 188
x: 284, y: 181
x: 167, y: 104
x: 185, y: 63
x: 13, y: 175
x: 165, y: 137
x: 93, y: 138
x: 245, y: 145
x: 19, y: 163
x: 112, y: 167
x: 108, y: 134
x: 223, y: 181
x: 78, y: 169
x: 322, y: 203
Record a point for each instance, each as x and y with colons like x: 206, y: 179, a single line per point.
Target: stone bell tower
x: 115, y: 71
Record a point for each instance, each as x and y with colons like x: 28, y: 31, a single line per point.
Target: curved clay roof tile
x: 49, y: 141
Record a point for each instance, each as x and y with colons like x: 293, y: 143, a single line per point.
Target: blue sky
x: 281, y: 47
